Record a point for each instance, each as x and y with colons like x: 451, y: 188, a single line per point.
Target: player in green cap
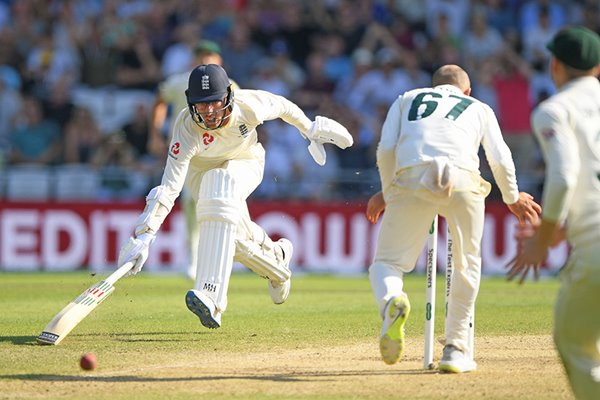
x: 567, y: 126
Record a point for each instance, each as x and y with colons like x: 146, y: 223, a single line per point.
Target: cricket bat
x: 78, y: 309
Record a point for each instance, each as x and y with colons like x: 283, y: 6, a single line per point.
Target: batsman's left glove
x: 136, y: 249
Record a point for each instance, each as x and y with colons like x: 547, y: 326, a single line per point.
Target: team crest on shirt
x: 174, y: 150
x: 548, y: 134
x: 243, y: 130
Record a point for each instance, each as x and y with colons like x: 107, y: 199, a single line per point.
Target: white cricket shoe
x: 391, y: 342
x: 456, y: 361
x: 201, y: 305
x: 280, y: 291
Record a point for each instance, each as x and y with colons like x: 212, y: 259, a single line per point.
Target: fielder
x: 567, y: 127
x: 215, y: 152
x: 171, y: 94
x: 429, y: 165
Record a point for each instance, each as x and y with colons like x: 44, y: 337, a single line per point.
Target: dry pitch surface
x: 321, y: 344
x: 509, y: 368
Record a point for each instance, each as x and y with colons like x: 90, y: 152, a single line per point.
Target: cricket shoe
x: 201, y: 305
x: 391, y: 342
x: 280, y: 291
x: 456, y: 361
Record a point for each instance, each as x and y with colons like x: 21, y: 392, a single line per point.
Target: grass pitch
x: 321, y: 344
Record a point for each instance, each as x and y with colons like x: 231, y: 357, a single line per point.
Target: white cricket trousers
x: 253, y: 247
x: 577, y: 321
x: 404, y: 230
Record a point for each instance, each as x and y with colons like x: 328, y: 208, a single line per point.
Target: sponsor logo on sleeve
x: 548, y: 133
x: 174, y: 150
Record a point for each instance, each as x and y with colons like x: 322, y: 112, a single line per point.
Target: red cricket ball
x: 88, y: 362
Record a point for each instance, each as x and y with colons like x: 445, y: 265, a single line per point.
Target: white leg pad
x: 218, y: 214
x: 260, y: 254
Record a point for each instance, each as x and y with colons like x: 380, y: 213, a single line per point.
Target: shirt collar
x: 581, y: 81
x: 450, y: 88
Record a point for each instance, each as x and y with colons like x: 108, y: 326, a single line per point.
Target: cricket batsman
x: 215, y: 152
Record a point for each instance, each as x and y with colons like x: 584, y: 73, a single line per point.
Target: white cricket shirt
x: 443, y: 122
x: 567, y: 126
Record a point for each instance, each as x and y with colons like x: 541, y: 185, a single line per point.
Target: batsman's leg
x: 269, y: 259
x: 188, y: 205
x: 218, y: 215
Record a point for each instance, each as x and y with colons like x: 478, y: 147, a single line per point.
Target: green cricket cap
x: 207, y: 46
x: 577, y: 47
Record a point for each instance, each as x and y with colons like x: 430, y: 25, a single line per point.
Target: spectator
x: 240, y: 55
x: 81, y: 137
x: 380, y: 85
x: 285, y: 68
x: 529, y: 15
x: 481, y: 41
x: 317, y: 86
x: 179, y: 56
x: 137, y: 66
x: 362, y: 61
x: 98, y: 57
x: 35, y: 139
x: 455, y: 11
x: 511, y: 83
x: 57, y: 105
x: 115, y: 159
x: 534, y: 43
x: 11, y: 106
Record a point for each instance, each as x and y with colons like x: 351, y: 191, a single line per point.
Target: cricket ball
x: 88, y: 362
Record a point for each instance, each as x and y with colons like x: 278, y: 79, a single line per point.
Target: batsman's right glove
x: 326, y: 130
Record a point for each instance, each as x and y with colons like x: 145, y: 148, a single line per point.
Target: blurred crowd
x: 78, y: 78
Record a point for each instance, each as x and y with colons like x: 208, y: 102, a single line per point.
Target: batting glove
x: 325, y: 130
x: 136, y: 249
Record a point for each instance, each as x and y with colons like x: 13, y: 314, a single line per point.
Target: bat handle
x: 119, y: 273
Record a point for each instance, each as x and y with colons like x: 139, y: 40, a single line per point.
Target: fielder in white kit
x: 215, y: 144
x: 567, y: 126
x: 428, y: 164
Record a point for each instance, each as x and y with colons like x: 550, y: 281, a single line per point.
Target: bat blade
x: 70, y: 316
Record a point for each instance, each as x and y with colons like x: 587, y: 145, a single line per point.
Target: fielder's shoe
x: 280, y: 291
x: 201, y: 305
x: 391, y: 342
x: 456, y: 361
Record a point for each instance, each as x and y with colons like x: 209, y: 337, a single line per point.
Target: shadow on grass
x: 297, y: 377
x: 120, y: 337
x: 20, y: 340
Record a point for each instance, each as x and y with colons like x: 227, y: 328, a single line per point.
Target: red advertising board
x: 328, y: 237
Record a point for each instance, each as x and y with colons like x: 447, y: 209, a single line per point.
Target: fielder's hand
x: 375, y: 207
x: 136, y: 249
x: 526, y: 209
x: 325, y: 130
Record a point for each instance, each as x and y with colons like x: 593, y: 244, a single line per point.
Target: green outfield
x: 320, y: 344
